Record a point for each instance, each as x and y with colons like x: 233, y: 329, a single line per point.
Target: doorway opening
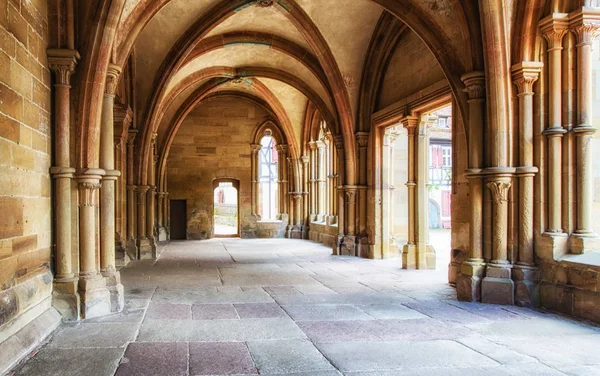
x: 226, y: 208
x: 178, y: 219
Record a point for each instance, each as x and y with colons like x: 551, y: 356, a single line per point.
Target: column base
x: 66, y: 299
x: 152, y: 242
x: 121, y: 256
x: 468, y: 281
x: 455, y: 265
x: 363, y: 248
x: 582, y: 243
x: 551, y: 246
x: 117, y: 293
x: 95, y: 297
x: 144, y: 249
x: 418, y: 256
x: 296, y: 232
x: 497, y: 287
x: 131, y: 249
x: 162, y: 234
x: 347, y: 245
x: 527, y: 291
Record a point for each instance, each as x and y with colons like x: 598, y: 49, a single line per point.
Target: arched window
x: 268, y: 177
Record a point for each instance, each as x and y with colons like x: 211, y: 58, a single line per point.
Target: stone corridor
x: 271, y: 307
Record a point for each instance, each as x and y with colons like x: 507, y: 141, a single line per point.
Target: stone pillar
x: 107, y: 202
x: 497, y: 286
x: 161, y: 220
x: 331, y: 185
x: 167, y: 216
x: 132, y: 249
x: 348, y: 243
x: 95, y: 297
x: 65, y: 297
x: 425, y: 253
x: 282, y: 152
x: 553, y: 29
x: 123, y: 116
x: 297, y: 232
x: 305, y: 187
x: 387, y: 210
x: 150, y: 197
x: 409, y: 251
x: 585, y: 27
x: 339, y: 144
x: 144, y: 246
x: 255, y: 148
x: 525, y: 274
x: 468, y: 283
x: 362, y: 142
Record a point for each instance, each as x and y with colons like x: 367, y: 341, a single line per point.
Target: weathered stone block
x: 11, y: 220
x: 496, y: 290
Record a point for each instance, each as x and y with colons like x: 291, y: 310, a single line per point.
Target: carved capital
x: 338, y: 139
x: 112, y: 79
x: 87, y: 193
x: 474, y: 85
x: 297, y: 196
x: 410, y: 123
x: 305, y: 159
x: 313, y: 145
x: 524, y: 75
x: 362, y: 139
x: 283, y: 148
x: 585, y: 24
x: 499, y: 190
x: 131, y: 136
x: 255, y: 148
x: 350, y: 196
x: 554, y: 28
x: 62, y: 62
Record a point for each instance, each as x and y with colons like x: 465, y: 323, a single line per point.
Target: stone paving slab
x: 401, y: 355
x: 208, y: 296
x: 325, y: 312
x: 154, y: 359
x: 287, y: 356
x: 94, y: 335
x: 391, y: 312
x: 72, y: 362
x: 259, y: 310
x: 218, y: 330
x: 214, y: 312
x: 169, y: 311
x: 520, y: 370
x: 221, y: 358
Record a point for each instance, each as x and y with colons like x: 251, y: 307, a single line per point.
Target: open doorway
x: 226, y: 208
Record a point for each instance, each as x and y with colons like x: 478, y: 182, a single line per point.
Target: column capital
x: 112, y: 79
x: 350, y: 191
x: 255, y: 147
x: 409, y: 122
x: 585, y: 24
x: 111, y: 174
x: 338, y: 139
x: 62, y: 62
x: 553, y: 28
x: 160, y: 195
x: 313, y: 145
x: 499, y: 190
x: 142, y: 188
x: 153, y: 138
x: 132, y: 133
x: 525, y: 74
x: 297, y: 196
x: 362, y: 139
x: 282, y: 148
x: 88, y: 180
x: 474, y: 85
x: 305, y: 159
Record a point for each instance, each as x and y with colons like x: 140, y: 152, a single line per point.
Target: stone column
x: 65, y: 297
x: 167, y: 211
x: 150, y: 197
x: 107, y: 202
x: 255, y: 148
x: 525, y: 274
x: 305, y: 187
x: 282, y: 152
x: 468, y: 283
x: 144, y: 246
x: 585, y: 27
x: 339, y: 144
x: 409, y: 251
x: 348, y: 243
x: 95, y: 297
x: 387, y: 182
x: 132, y: 249
x: 497, y: 287
x: 161, y: 220
x: 362, y: 142
x: 425, y: 253
x: 297, y: 197
x: 553, y: 29
x: 331, y: 184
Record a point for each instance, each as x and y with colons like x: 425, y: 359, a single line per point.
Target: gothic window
x: 268, y: 177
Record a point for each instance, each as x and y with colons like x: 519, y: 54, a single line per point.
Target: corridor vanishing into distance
x: 283, y: 306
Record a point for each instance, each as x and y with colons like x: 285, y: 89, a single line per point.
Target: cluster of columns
x: 564, y: 176
x: 91, y: 288
x: 388, y: 241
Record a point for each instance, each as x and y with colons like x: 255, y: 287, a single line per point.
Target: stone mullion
x: 585, y: 27
x: 313, y: 176
x: 339, y: 143
x: 151, y: 196
x: 255, y: 148
x: 306, y: 187
x: 362, y: 141
x: 66, y: 297
x: 321, y: 181
x: 425, y: 253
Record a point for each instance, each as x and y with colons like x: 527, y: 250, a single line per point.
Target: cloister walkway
x: 274, y: 307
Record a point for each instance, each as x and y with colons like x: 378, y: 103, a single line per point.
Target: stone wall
x: 214, y: 142
x: 25, y: 185
x: 323, y: 233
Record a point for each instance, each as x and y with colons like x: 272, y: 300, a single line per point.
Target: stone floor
x: 272, y: 307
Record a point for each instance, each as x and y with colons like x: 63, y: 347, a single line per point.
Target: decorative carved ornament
x: 525, y: 75
x: 474, y: 85
x: 87, y: 193
x: 499, y: 191
x: 264, y: 3
x: 112, y: 79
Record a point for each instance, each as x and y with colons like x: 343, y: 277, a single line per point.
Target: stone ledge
x: 589, y: 259
x: 20, y: 344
